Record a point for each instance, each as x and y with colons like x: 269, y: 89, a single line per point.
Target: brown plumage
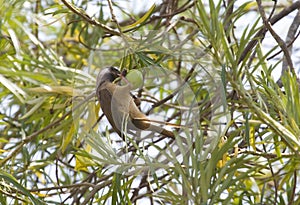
x: 118, y: 105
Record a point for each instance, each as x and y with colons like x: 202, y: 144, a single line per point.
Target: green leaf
x: 34, y: 108
x: 14, y: 88
x: 142, y: 20
x: 9, y: 178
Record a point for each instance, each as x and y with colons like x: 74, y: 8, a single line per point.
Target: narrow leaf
x: 141, y: 20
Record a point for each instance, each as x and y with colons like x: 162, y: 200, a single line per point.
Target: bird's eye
x: 114, y: 70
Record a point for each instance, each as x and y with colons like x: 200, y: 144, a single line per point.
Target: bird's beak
x: 121, y: 76
x: 124, y: 73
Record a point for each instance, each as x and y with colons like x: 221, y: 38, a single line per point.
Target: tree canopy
x: 221, y: 74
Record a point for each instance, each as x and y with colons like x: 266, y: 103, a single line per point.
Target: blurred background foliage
x: 239, y: 104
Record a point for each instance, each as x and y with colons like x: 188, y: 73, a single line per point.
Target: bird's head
x: 108, y: 74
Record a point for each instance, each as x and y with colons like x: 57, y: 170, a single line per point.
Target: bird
x: 119, y: 107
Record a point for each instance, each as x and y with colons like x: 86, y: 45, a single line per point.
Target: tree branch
x: 289, y: 39
x: 87, y: 18
x: 261, y: 33
x: 280, y: 42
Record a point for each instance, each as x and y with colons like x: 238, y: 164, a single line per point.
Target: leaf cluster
x: 204, y: 68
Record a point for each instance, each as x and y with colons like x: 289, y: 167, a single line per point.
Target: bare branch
x: 113, y: 16
x: 261, y: 33
x: 280, y: 42
x: 289, y: 39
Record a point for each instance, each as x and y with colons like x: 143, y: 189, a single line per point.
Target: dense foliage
x: 224, y: 70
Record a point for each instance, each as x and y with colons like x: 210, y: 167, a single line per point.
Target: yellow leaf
x: 92, y: 117
x: 3, y: 151
x: 83, y: 162
x: 171, y: 64
x: 41, y: 194
x: 97, y: 108
x: 41, y: 177
x: 225, y: 157
x: 67, y: 139
x: 252, y: 138
x: 250, y: 5
x: 80, y: 163
x: 141, y: 20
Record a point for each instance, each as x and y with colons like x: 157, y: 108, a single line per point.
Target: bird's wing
x: 117, y: 104
x: 104, y: 96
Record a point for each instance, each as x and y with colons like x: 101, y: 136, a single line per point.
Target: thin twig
x: 261, y: 33
x: 280, y: 42
x: 113, y: 16
x: 36, y: 29
x: 228, y: 19
x: 63, y: 187
x: 288, y: 45
x: 289, y: 39
x: 292, y: 196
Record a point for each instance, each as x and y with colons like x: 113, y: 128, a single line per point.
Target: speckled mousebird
x: 119, y: 107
